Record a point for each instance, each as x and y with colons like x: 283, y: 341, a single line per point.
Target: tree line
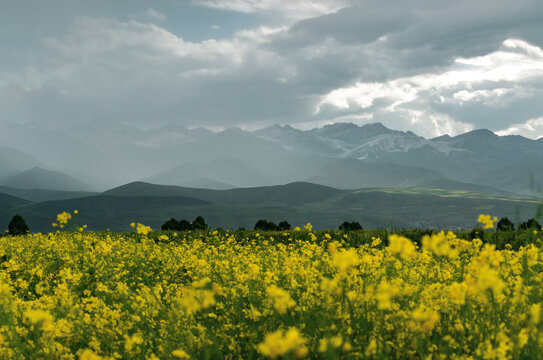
x: 18, y: 226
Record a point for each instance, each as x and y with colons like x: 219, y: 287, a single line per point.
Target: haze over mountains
x: 102, y: 155
x: 371, y: 174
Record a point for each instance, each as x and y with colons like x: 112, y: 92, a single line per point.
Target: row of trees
x: 264, y: 225
x: 183, y: 225
x: 507, y: 225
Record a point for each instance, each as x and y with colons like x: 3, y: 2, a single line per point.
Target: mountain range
x: 102, y: 154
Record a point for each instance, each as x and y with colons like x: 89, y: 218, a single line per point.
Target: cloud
x: 493, y: 80
x: 420, y: 65
x: 141, y: 72
x: 532, y: 128
x: 155, y: 15
x: 296, y: 10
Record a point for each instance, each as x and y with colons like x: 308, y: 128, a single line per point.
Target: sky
x: 430, y: 66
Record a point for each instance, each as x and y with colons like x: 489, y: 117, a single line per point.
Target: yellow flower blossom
x: 88, y: 354
x: 345, y: 260
x: 399, y: 245
x: 280, y: 299
x: 487, y: 221
x: 180, y: 354
x: 280, y: 343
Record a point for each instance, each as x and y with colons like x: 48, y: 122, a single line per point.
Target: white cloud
x: 295, y: 10
x: 532, y: 128
x: 431, y: 124
x: 142, y: 72
x: 104, y: 40
x: 506, y: 65
x: 153, y: 14
x: 493, y: 80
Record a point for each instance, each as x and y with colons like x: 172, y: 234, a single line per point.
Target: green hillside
x: 297, y: 203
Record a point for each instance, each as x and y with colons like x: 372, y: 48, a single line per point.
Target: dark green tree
x: 350, y: 226
x: 505, y: 225
x: 265, y: 225
x: 17, y: 226
x: 530, y: 224
x: 171, y: 224
x: 184, y: 225
x: 284, y: 225
x: 199, y: 224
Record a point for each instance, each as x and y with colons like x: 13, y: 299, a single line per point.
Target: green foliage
x: 350, y: 226
x: 284, y: 225
x: 265, y: 225
x: 183, y: 225
x: 505, y: 225
x: 171, y: 224
x: 17, y: 226
x: 530, y: 224
x: 199, y: 224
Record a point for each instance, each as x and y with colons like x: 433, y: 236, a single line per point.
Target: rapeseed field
x: 213, y: 295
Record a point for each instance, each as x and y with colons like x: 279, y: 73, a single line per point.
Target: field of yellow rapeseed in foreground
x: 209, y: 295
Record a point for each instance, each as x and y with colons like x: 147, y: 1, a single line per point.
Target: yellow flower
x: 308, y: 227
x: 371, y: 349
x: 131, y: 341
x: 385, y: 293
x: 426, y: 316
x: 88, y: 354
x: 181, y: 354
x: 376, y: 242
x: 522, y: 338
x: 280, y: 299
x: 63, y: 218
x: 345, y: 259
x: 141, y: 229
x: 281, y: 343
x: 439, y: 244
x: 399, y: 245
x: 487, y: 221
x: 457, y: 293
x: 36, y: 316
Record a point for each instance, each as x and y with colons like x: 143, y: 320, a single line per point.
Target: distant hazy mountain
x: 38, y: 178
x: 13, y: 161
x: 221, y: 173
x: 107, y: 153
x: 205, y: 183
x: 344, y: 140
x: 479, y: 156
